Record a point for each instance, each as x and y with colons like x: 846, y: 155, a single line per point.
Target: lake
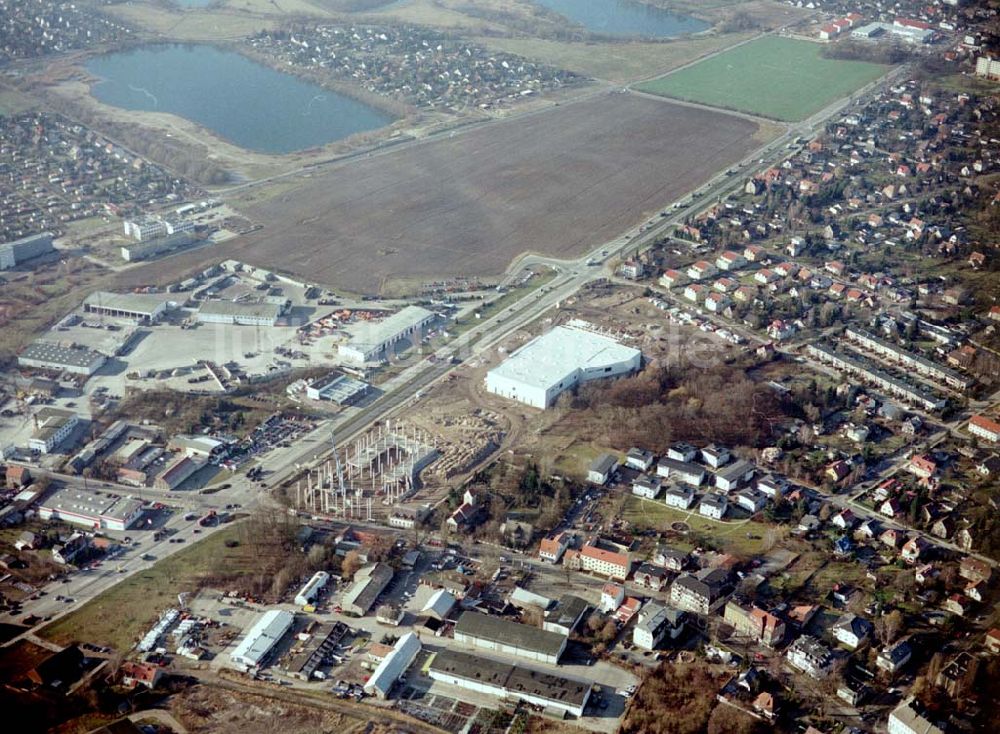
x: 248, y: 104
x: 194, y: 3
x: 625, y: 18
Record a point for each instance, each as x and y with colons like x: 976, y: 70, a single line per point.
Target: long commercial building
x: 559, y: 360
x: 920, y: 365
x: 57, y: 358
x: 905, y: 390
x: 369, y: 583
x: 372, y: 341
x: 260, y: 640
x: 510, y: 638
x: 337, y: 388
x: 393, y: 666
x: 26, y: 248
x: 105, y: 511
x: 135, y: 251
x: 312, y: 588
x: 137, y: 307
x: 239, y: 314
x: 511, y: 682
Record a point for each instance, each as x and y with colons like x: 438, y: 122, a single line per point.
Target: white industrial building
x: 371, y: 341
x: 312, y: 588
x: 52, y: 427
x: 239, y: 314
x: 138, y: 307
x: 337, y: 388
x: 510, y: 638
x: 509, y: 682
x: 393, y: 666
x: 105, y: 511
x: 58, y: 358
x: 559, y: 360
x: 262, y: 637
x: 26, y: 248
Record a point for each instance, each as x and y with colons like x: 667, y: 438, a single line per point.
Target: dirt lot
x: 558, y: 182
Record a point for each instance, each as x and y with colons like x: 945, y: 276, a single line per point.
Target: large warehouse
x: 510, y: 638
x: 557, y: 361
x: 262, y: 637
x: 393, y: 666
x: 240, y: 314
x: 103, y: 510
x: 369, y: 583
x: 137, y: 307
x: 57, y: 358
x: 511, y: 682
x: 371, y: 341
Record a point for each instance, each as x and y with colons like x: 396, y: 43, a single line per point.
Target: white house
x: 639, y: 459
x: 852, y: 631
x: 680, y: 497
x: 713, y: 505
x: 612, y: 596
x: 601, y: 469
x: 646, y: 485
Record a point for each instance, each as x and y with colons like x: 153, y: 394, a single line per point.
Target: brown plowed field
x: 558, y: 182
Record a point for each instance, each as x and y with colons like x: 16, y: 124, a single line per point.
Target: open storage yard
x: 777, y: 78
x: 557, y: 182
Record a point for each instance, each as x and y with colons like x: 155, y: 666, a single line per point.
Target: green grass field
x: 779, y: 78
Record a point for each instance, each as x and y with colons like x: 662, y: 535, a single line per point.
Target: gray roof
x: 505, y: 631
x: 55, y: 354
x: 569, y: 609
x: 232, y: 308
x: 603, y: 463
x: 683, y: 467
x: 514, y: 678
x: 369, y: 583
x: 142, y: 303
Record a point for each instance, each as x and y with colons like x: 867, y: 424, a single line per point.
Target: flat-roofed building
x: 564, y: 617
x: 510, y: 638
x: 559, y: 360
x: 269, y: 629
x: 510, y: 682
x: 105, y: 510
x: 337, y: 388
x: 52, y: 427
x: 369, y: 583
x: 54, y: 357
x: 239, y: 314
x: 656, y: 622
x: 137, y: 307
x: 27, y: 248
x: 372, y: 340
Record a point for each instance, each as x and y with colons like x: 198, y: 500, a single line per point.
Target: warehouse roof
x: 554, y: 356
x: 263, y: 636
x: 92, y: 503
x: 514, y: 678
x: 510, y: 633
x: 142, y: 303
x: 59, y: 355
x: 371, y: 335
x: 369, y: 582
x: 232, y: 308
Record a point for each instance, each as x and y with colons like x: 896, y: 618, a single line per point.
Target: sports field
x: 778, y: 78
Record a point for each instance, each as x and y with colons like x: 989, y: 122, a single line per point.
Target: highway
x: 282, y: 464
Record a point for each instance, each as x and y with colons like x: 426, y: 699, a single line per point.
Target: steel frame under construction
x: 385, y: 463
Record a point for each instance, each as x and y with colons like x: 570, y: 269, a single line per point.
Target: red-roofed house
x: 551, y: 550
x: 140, y: 674
x: 608, y: 563
x: 982, y: 427
x: 922, y: 466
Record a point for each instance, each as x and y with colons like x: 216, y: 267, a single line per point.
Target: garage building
x: 559, y: 360
x: 393, y: 666
x: 511, y: 682
x: 141, y: 308
x: 510, y: 638
x: 239, y: 314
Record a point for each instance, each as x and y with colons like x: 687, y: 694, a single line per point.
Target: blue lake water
x: 246, y: 103
x: 194, y: 3
x: 625, y: 18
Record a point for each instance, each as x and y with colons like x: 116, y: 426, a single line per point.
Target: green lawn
x: 779, y: 78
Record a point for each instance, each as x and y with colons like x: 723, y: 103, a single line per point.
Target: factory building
x: 393, y: 666
x: 239, y: 314
x: 559, y: 360
x: 104, y: 511
x: 26, y: 248
x: 372, y: 341
x: 52, y: 427
x: 177, y: 473
x: 510, y: 638
x: 337, y: 388
x: 511, y: 682
x: 142, y: 308
x: 267, y: 632
x: 135, y: 251
x: 151, y: 228
x: 57, y: 358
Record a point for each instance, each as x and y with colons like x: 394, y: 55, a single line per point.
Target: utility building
x: 267, y: 632
x: 137, y: 307
x: 57, y: 358
x: 559, y: 360
x: 371, y: 341
x: 510, y: 638
x: 26, y: 248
